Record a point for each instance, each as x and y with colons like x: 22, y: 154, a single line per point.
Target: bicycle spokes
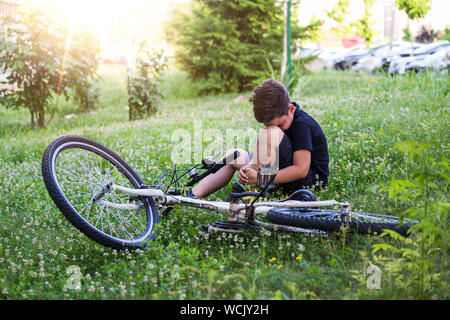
x: 84, y: 178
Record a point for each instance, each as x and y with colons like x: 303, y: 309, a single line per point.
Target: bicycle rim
x: 81, y: 169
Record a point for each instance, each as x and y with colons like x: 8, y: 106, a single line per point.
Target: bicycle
x: 103, y: 197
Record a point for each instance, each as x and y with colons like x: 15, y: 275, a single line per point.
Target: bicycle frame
x: 235, y: 211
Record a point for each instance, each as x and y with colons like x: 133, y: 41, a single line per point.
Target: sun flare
x: 119, y: 25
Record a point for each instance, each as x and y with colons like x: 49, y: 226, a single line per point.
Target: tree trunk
x: 32, y: 119
x: 41, y: 119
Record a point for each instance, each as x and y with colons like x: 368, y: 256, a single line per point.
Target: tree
x: 42, y: 61
x: 414, y: 9
x: 144, y: 90
x: 426, y: 35
x: 225, y: 45
x: 338, y: 13
x: 364, y: 25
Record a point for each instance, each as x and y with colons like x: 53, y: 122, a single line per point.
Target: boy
x: 291, y: 140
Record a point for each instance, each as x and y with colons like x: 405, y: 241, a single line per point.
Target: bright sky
x: 438, y: 15
x: 309, y: 8
x: 115, y: 21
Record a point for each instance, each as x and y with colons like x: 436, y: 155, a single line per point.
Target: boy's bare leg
x: 266, y: 153
x: 267, y: 149
x: 218, y: 180
x: 267, y: 145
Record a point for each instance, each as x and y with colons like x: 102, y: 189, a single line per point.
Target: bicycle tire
x: 49, y: 160
x: 298, y: 217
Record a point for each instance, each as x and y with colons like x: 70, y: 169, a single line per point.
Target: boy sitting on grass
x: 291, y: 140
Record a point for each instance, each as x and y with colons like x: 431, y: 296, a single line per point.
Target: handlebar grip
x: 231, y: 157
x: 214, y: 168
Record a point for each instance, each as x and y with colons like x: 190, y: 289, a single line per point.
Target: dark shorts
x: 312, y: 179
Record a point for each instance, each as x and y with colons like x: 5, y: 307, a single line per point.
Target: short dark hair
x: 270, y: 100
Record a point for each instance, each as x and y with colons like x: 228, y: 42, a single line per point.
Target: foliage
x: 365, y: 24
x: 406, y: 34
x: 224, y: 45
x: 302, y: 34
x: 86, y: 95
x: 338, y: 13
x: 33, y: 67
x: 426, y: 34
x: 426, y: 194
x: 297, y: 78
x: 144, y: 91
x: 414, y: 9
x: 445, y: 34
x: 38, y: 66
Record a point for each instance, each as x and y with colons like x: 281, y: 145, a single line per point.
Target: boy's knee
x: 270, y: 136
x: 242, y: 157
x: 268, y: 142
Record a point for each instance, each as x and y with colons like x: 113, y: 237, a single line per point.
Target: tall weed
x: 423, y: 256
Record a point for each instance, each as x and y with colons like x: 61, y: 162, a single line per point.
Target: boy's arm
x: 298, y: 170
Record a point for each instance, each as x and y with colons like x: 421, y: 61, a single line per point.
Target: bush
x: 426, y: 35
x: 445, y: 34
x: 144, y: 90
x: 424, y: 254
x: 224, y: 45
x: 42, y: 60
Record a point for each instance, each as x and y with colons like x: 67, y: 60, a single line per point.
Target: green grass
x: 363, y: 116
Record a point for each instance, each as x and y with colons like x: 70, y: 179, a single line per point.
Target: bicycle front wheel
x: 332, y: 220
x: 77, y: 172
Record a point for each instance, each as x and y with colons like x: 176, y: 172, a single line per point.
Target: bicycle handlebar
x: 214, y: 168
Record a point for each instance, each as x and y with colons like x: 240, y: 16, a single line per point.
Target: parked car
x: 376, y: 57
x: 405, y: 51
x: 438, y: 61
x: 348, y: 59
x: 398, y: 65
x: 329, y: 56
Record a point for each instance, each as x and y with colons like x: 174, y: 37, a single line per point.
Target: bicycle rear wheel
x: 332, y: 220
x: 77, y: 172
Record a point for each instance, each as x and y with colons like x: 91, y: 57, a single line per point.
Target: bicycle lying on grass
x: 102, y: 196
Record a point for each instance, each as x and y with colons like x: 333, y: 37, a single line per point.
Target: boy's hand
x: 247, y: 175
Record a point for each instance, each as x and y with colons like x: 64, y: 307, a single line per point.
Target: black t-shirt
x: 306, y: 134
